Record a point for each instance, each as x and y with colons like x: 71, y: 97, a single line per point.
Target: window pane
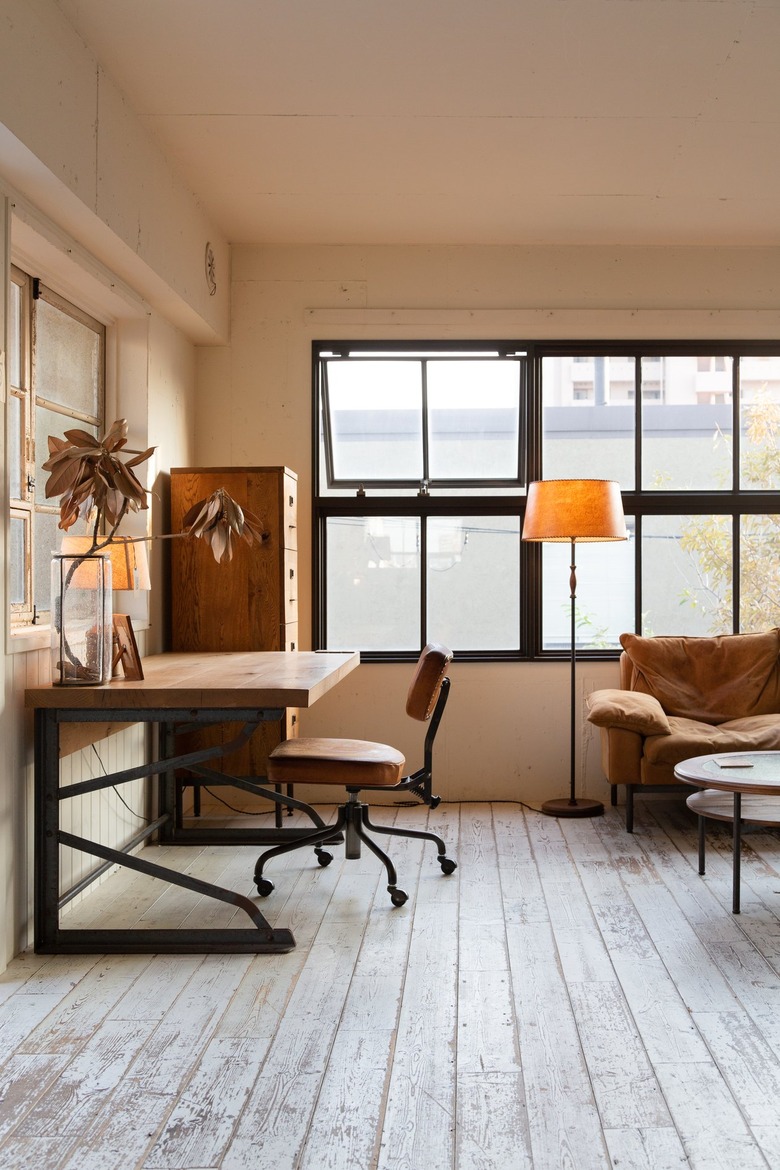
x: 373, y: 583
x: 376, y: 419
x: 15, y: 337
x: 18, y: 548
x: 759, y: 576
x: 67, y: 360
x: 687, y: 575
x: 759, y: 379
x: 474, y: 582
x: 48, y: 538
x: 588, y: 418
x: 686, y: 430
x: 604, y: 605
x: 474, y: 419
x: 15, y: 445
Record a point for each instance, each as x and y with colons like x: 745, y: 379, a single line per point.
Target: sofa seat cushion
x: 691, y: 737
x: 710, y: 680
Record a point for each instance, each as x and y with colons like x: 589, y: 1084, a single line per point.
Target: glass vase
x: 82, y: 631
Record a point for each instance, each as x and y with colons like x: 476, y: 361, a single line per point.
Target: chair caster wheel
x: 398, y: 897
x: 264, y: 887
x: 447, y: 865
x: 324, y: 857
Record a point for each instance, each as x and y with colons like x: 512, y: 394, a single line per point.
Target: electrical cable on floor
x: 241, y: 811
x: 415, y: 803
x: 139, y: 816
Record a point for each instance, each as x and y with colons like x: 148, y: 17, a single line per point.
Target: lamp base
x: 581, y: 807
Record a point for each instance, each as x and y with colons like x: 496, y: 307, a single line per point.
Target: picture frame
x: 126, y: 649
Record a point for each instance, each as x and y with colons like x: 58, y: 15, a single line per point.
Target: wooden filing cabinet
x: 248, y: 603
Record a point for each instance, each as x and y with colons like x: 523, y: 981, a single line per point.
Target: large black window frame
x: 620, y: 419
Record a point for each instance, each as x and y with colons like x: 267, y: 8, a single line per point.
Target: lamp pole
x: 565, y: 511
x: 573, y: 806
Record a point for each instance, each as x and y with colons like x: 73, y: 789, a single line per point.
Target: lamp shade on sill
x: 129, y: 562
x: 582, y: 510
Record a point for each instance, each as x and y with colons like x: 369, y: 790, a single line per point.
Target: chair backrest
x: 429, y: 674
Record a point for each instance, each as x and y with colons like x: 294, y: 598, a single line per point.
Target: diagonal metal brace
x: 209, y: 774
x: 173, y: 876
x: 190, y: 759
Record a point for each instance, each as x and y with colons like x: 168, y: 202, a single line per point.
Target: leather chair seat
x: 345, y: 762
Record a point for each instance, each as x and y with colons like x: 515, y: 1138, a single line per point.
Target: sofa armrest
x: 627, y: 710
x: 621, y: 755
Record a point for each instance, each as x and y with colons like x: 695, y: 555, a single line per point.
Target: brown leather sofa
x: 681, y: 697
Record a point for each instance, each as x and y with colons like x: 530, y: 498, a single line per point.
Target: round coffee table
x: 741, y: 787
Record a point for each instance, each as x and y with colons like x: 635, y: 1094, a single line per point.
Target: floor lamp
x: 572, y: 511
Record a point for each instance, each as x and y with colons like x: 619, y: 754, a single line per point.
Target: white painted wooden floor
x: 572, y: 997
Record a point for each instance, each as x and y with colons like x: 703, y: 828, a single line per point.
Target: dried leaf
x: 86, y: 472
x: 216, y: 519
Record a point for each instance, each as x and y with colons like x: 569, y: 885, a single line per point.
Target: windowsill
x: 28, y: 639
x: 24, y: 641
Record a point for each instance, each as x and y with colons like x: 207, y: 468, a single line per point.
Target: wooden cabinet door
x: 248, y: 603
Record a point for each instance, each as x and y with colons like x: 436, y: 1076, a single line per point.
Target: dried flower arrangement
x: 97, y: 484
x: 92, y: 480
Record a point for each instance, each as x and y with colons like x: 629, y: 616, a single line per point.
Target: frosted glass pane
x: 67, y: 360
x: 373, y: 583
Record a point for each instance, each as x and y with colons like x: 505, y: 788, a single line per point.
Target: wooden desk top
x: 248, y: 679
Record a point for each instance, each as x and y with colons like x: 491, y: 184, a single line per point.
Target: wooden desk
x: 179, y: 689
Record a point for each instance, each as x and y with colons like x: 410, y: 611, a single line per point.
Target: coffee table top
x: 757, y: 772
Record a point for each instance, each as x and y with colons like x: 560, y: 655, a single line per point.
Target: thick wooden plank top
x: 247, y: 679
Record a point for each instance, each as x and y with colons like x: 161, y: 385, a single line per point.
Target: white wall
x: 72, y: 145
x: 99, y: 214
x: 506, y: 734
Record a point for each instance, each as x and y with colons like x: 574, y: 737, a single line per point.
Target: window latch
x: 30, y: 482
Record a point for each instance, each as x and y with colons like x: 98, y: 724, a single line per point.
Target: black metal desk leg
x: 47, y: 823
x: 736, y: 850
x: 701, y: 844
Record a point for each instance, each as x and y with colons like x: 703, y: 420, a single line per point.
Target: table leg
x: 736, y: 850
x: 701, y: 821
x: 47, y: 823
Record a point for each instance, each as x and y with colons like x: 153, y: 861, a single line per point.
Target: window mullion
x: 425, y: 424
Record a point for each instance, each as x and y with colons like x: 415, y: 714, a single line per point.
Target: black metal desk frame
x: 50, y: 937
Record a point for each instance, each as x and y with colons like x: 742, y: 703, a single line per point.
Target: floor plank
x: 572, y: 997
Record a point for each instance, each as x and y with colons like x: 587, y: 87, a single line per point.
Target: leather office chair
x: 361, y: 766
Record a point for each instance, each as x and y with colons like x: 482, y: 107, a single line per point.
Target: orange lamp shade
x: 574, y: 510
x: 129, y: 563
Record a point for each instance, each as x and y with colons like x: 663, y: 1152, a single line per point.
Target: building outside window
x: 56, y: 379
x: 424, y: 453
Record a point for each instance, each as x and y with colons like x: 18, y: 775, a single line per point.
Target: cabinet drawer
x: 290, y: 512
x: 290, y: 586
x: 291, y: 723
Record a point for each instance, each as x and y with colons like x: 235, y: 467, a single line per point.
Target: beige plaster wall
x: 505, y: 735
x: 70, y: 142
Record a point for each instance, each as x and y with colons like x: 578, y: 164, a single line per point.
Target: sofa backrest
x: 710, y: 679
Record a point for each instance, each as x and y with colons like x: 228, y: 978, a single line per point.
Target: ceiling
x: 459, y: 121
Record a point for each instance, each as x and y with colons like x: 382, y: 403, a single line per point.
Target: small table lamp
x: 572, y: 510
x: 129, y: 562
